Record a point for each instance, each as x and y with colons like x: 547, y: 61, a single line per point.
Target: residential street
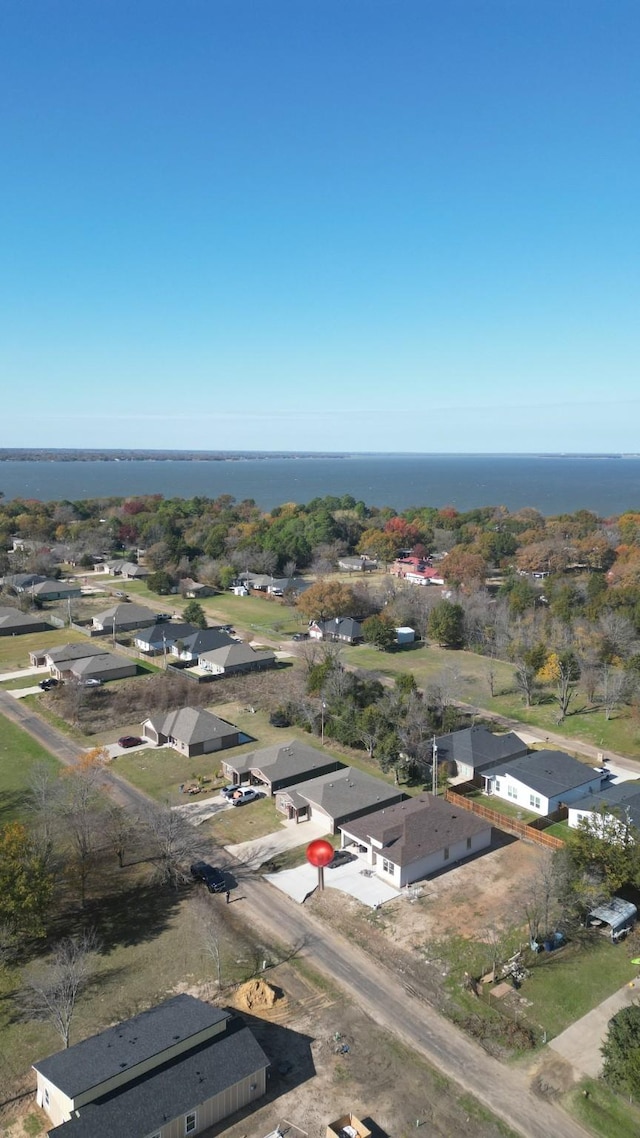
x: 501, y: 1088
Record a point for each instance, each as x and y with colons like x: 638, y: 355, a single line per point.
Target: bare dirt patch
x: 328, y: 1058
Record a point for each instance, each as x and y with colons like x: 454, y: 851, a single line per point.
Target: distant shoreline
x: 20, y: 454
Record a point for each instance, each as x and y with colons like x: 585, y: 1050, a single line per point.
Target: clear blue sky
x: 320, y: 224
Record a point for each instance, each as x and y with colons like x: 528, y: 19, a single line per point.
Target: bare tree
x: 616, y: 686
x: 120, y: 831
x: 51, y: 993
x: 540, y: 898
x: 174, y: 844
x: 208, y: 927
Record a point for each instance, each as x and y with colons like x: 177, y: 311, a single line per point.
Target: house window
x: 190, y: 1122
x: 46, y: 1096
x: 534, y: 800
x: 512, y: 792
x: 497, y: 785
x: 388, y: 867
x: 468, y: 843
x: 446, y: 853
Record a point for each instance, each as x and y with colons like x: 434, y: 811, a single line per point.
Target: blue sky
x: 320, y: 224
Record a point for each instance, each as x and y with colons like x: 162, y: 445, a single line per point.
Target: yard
x: 19, y: 754
x: 14, y: 650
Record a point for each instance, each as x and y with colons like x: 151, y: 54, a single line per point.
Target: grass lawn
x: 19, y: 753
x: 568, y: 983
x: 160, y: 770
x: 14, y: 650
x: 560, y: 830
x: 243, y: 823
x: 501, y: 807
x: 24, y: 682
x: 602, y: 1111
x: 37, y: 704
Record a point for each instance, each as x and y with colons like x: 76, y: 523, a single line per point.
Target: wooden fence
x: 528, y: 832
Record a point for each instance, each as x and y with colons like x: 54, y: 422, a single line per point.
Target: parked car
x: 300, y: 636
x: 213, y: 878
x: 163, y: 616
x: 229, y: 791
x: 119, y: 593
x: 46, y: 685
x: 129, y: 741
x: 245, y: 794
x: 341, y: 857
x: 90, y: 683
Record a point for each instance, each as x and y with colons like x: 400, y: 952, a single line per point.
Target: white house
x: 619, y: 803
x: 410, y: 840
x: 542, y: 781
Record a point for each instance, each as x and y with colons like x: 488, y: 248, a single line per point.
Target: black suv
x: 213, y: 878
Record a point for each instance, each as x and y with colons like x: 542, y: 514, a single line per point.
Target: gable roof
x: 166, y: 632
x: 233, y: 654
x: 100, y: 665
x: 153, y: 1100
x: 205, y: 640
x: 284, y: 760
x: 623, y: 797
x: 347, y: 791
x: 126, y: 614
x: 548, y: 772
x: 477, y: 747
x: 192, y: 725
x: 13, y: 618
x: 100, y: 1057
x: 340, y: 626
x: 50, y: 585
x: 58, y: 656
x: 416, y: 828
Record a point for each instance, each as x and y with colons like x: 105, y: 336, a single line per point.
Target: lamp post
x: 323, y: 707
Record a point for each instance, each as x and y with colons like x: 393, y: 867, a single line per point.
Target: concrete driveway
x: 20, y: 693
x: 204, y: 808
x: 580, y: 1044
x: 289, y: 835
x: 298, y: 883
x: 115, y: 750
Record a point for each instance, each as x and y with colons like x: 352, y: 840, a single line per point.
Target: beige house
x: 192, y: 732
x: 175, y: 1070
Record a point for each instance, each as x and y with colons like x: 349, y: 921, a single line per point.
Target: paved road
x: 502, y: 1089
x: 69, y: 752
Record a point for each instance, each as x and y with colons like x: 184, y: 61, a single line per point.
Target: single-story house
x: 190, y: 588
x: 131, y: 571
x: 542, y: 780
x: 234, y: 658
x: 474, y: 748
x: 408, y: 841
x: 337, y: 798
x: 359, y: 564
x: 343, y: 628
x: 202, y: 640
x: 124, y: 618
x: 16, y: 623
x: 162, y: 636
x: 52, y: 590
x: 179, y: 1068
x: 56, y: 657
x: 284, y: 764
x: 22, y: 582
x: 191, y: 731
x: 106, y: 666
x: 620, y: 801
x: 281, y: 585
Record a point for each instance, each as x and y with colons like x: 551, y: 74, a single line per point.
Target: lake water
x: 552, y: 485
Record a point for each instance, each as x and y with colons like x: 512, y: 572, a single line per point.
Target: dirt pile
x: 257, y: 996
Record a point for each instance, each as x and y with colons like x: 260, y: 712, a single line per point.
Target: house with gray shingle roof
x: 234, y: 658
x: 284, y: 764
x: 179, y: 1068
x: 337, y: 798
x: 342, y: 628
x: 474, y: 748
x: 423, y: 835
x: 202, y: 640
x: 618, y: 801
x: 161, y: 637
x: 192, y: 731
x: 542, y: 780
x: 124, y: 618
x: 16, y: 623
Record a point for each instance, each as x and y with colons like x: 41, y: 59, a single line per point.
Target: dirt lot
x: 329, y: 1059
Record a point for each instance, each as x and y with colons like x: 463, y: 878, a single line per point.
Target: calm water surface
x: 551, y: 485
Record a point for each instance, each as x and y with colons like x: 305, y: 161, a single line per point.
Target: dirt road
x: 500, y: 1088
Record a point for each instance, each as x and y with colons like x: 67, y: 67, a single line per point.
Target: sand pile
x: 256, y: 996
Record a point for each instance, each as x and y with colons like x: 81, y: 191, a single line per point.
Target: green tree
x: 606, y: 843
x: 621, y: 1052
x: 195, y: 614
x: 26, y: 884
x: 446, y: 624
x: 380, y: 631
x: 160, y: 582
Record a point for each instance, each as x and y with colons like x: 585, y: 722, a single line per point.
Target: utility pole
x: 322, y: 711
x: 434, y: 767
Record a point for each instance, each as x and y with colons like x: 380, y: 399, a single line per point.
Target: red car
x: 129, y: 741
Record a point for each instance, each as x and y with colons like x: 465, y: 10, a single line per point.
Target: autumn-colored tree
x: 375, y: 543
x: 563, y: 671
x: 26, y: 883
x: 326, y: 599
x: 464, y: 566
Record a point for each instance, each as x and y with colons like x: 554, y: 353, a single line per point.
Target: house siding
x: 432, y: 863
x: 517, y: 792
x: 215, y: 1109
